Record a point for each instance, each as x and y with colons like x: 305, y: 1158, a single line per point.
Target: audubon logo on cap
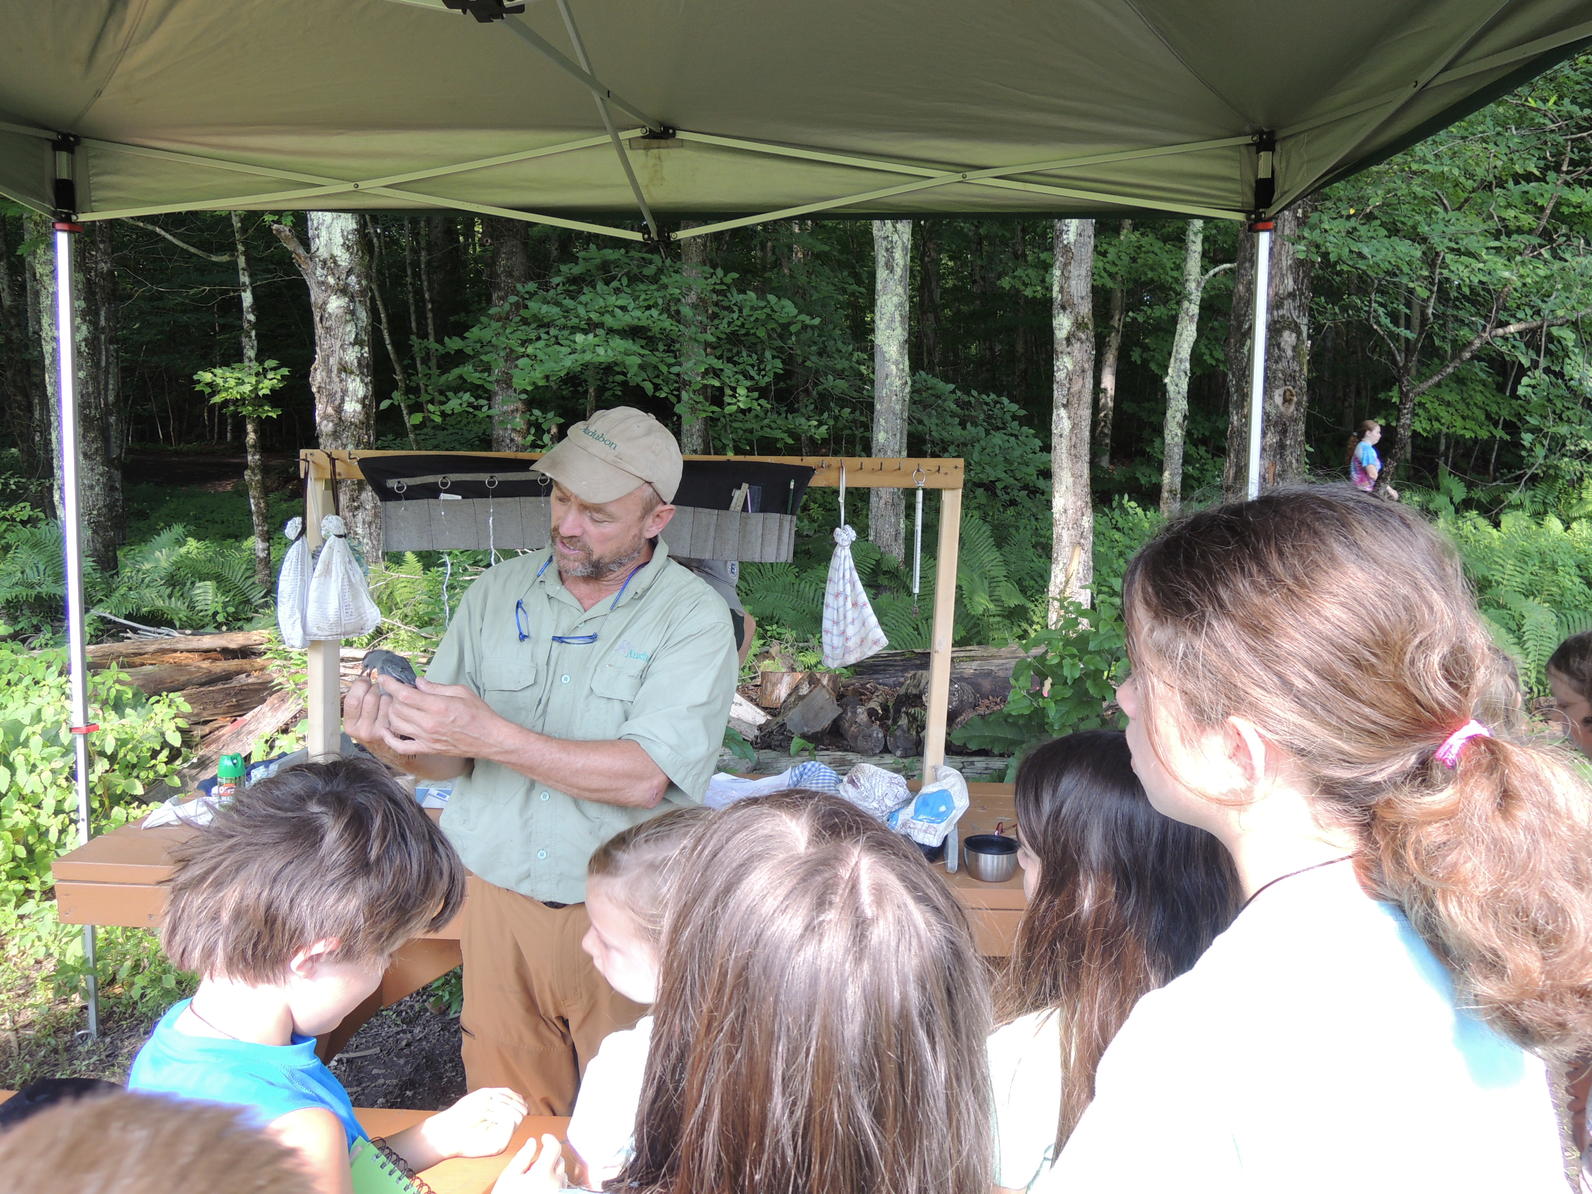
x: 600, y: 438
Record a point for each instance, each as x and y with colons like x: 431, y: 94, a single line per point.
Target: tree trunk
x: 510, y: 269
x: 253, y: 470
x: 928, y: 300
x: 1072, y: 324
x: 892, y: 376
x: 21, y: 372
x: 98, y: 408
x: 337, y: 271
x: 1106, y: 398
x: 1282, y: 443
x: 1239, y: 325
x: 693, y: 347
x: 1177, y: 371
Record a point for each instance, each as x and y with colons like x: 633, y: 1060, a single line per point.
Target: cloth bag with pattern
x: 851, y: 632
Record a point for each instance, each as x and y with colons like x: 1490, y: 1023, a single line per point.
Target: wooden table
x: 462, y: 1175
x: 115, y: 880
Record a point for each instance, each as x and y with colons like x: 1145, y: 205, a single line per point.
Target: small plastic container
x: 229, y: 776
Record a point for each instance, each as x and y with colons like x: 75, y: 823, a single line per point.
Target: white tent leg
x: 72, y: 533
x: 1257, y: 350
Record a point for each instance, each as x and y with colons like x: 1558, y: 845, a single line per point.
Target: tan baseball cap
x: 606, y: 456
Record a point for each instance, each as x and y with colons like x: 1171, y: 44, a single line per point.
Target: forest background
x: 1093, y: 374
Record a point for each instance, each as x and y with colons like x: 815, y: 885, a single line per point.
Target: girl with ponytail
x: 1309, y: 674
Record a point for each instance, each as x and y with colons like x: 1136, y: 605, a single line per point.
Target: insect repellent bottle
x: 229, y: 775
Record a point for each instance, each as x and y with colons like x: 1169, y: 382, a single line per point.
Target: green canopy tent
x: 623, y: 118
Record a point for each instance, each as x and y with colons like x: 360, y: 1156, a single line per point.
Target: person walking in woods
x: 1365, y: 466
x: 578, y: 689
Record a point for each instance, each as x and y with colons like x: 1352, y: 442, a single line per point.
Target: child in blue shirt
x: 288, y: 905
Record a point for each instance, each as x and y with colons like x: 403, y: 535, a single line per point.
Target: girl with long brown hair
x: 1309, y: 671
x: 821, y: 1015
x: 1120, y: 901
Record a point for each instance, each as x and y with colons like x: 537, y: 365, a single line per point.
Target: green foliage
x: 133, y: 973
x: 134, y: 759
x: 1530, y: 578
x: 245, y: 387
x: 612, y: 323
x: 991, y: 606
x: 32, y: 571
x: 178, y: 581
x: 1067, y: 683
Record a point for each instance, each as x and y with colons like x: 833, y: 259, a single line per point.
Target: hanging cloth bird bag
x: 851, y: 632
x: 293, y: 587
x: 340, y: 605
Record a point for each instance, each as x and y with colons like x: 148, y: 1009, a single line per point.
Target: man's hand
x: 441, y: 719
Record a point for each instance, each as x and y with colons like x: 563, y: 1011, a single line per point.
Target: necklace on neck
x: 1314, y: 866
x: 194, y: 1012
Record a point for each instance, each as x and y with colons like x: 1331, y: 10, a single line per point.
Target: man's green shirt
x: 660, y: 673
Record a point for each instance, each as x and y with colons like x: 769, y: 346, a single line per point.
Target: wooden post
x: 324, y: 698
x: 938, y: 697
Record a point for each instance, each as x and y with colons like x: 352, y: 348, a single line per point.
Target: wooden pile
x: 877, y: 710
x: 228, y: 682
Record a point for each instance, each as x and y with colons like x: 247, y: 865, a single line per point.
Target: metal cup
x: 991, y: 857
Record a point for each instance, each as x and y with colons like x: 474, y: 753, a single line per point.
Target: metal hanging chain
x: 842, y: 495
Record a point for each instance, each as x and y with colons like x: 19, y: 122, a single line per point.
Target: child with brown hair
x: 627, y: 884
x: 144, y: 1144
x: 1310, y: 671
x: 1120, y: 901
x: 1570, y: 680
x: 288, y: 905
x: 821, y: 1017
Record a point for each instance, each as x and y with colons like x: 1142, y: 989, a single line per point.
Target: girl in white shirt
x: 1309, y: 674
x: 1120, y: 900
x: 627, y: 883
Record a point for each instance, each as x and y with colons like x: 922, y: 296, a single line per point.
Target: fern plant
x: 1529, y: 572
x: 186, y: 583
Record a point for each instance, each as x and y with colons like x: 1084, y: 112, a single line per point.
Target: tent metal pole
x: 66, y: 365
x: 1257, y: 351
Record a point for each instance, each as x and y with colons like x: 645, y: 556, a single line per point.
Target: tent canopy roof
x: 729, y: 110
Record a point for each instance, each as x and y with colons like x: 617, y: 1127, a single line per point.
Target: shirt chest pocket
x: 619, y: 680
x: 509, y: 685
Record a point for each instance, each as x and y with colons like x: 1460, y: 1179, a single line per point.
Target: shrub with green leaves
x: 133, y: 757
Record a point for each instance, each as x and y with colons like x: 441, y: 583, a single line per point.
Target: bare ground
x: 407, y: 1056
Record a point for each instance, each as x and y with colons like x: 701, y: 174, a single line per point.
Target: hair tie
x: 1448, y: 753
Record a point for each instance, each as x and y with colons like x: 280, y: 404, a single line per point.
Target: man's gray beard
x: 601, y: 569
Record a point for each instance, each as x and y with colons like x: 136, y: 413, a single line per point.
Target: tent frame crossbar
x: 603, y: 101
x: 927, y: 177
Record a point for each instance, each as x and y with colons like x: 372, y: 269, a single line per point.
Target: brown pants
x: 535, y: 1008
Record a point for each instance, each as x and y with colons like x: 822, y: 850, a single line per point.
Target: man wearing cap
x: 577, y: 690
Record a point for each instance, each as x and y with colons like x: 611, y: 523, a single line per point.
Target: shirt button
x: 563, y: 679
x: 544, y: 795
x: 541, y: 855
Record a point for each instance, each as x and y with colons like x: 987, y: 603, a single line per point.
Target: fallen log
x: 178, y: 677
x: 281, y: 709
x: 150, y: 650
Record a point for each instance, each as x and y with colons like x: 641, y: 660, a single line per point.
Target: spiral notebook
x: 375, y: 1174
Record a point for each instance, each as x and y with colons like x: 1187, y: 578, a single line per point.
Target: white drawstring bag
x: 851, y: 632
x: 339, y: 604
x: 293, y: 586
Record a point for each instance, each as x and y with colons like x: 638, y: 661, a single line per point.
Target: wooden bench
x: 115, y: 880
x: 463, y: 1175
